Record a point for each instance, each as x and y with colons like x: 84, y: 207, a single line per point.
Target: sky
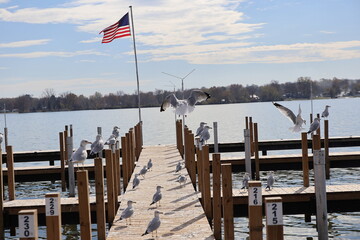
x: 56, y: 44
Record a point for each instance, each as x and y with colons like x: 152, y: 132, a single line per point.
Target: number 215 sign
x: 274, y: 213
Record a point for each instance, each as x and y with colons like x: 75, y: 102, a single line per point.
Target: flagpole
x: 136, y: 65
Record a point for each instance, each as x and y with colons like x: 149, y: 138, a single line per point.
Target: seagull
x: 200, y: 129
x: 314, y: 125
x: 149, y: 164
x: 325, y: 113
x: 154, y: 224
x: 178, y: 167
x: 143, y: 172
x: 111, y: 140
x: 136, y: 181
x: 245, y: 181
x: 80, y: 154
x: 116, y: 132
x: 270, y: 181
x: 205, y: 135
x: 128, y: 212
x: 186, y: 106
x: 296, y: 120
x: 181, y: 180
x: 97, y: 146
x: 1, y: 137
x: 157, y: 196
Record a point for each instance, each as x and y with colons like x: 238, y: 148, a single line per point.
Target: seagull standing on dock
x: 296, y: 120
x: 1, y: 138
x: 186, y: 106
x: 154, y: 224
x: 325, y: 113
x: 143, y: 171
x: 182, y: 180
x: 270, y: 181
x: 111, y: 140
x: 80, y: 154
x: 97, y: 146
x: 157, y: 196
x: 205, y: 135
x: 178, y: 167
x: 200, y: 129
x: 245, y: 181
x: 128, y: 212
x: 149, y: 164
x: 136, y: 181
x: 314, y: 125
x: 116, y: 132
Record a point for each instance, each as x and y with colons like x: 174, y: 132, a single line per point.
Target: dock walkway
x: 182, y: 218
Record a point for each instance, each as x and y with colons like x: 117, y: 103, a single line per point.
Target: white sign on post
x: 274, y: 213
x: 26, y: 226
x: 255, y: 196
x: 52, y: 206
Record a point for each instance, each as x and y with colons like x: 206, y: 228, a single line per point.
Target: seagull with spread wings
x: 296, y: 120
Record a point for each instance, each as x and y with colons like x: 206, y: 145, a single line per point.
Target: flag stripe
x: 117, y: 30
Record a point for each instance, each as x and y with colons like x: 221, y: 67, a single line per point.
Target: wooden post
x: 2, y: 231
x: 246, y: 122
x: 206, y: 181
x: 179, y: 137
x: 318, y: 131
x: 84, y: 204
x: 227, y: 201
x: 255, y: 210
x: 110, y: 186
x: 274, y: 218
x: 28, y: 224
x: 62, y: 161
x: 311, y: 118
x: 320, y: 189
x: 305, y: 159
x: 132, y: 149
x: 216, y: 141
x: 186, y: 146
x: 11, y: 174
x: 216, y: 172
x: 326, y: 148
x: 69, y: 144
x: 256, y: 152
x: 118, y: 170
x: 251, y: 127
x: 247, y: 151
x: 125, y: 163
x: 192, y: 167
x: 100, y: 203
x: 116, y: 182
x: 200, y: 173
x: 53, y: 216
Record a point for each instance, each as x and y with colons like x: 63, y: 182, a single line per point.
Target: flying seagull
x: 186, y: 106
x: 325, y: 113
x: 296, y: 120
x: 154, y: 224
x: 314, y: 125
x: 80, y: 154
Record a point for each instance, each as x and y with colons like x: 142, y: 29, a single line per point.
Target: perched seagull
x: 128, y: 212
x: 178, y: 167
x: 97, y: 146
x: 149, y: 164
x: 186, y: 106
x: 143, y: 171
x: 205, y: 135
x: 325, y: 113
x: 314, y: 125
x: 157, y: 196
x: 116, y: 132
x: 182, y: 180
x: 1, y: 138
x: 111, y: 140
x: 80, y: 154
x: 136, y: 181
x: 200, y: 129
x: 296, y: 120
x: 245, y: 181
x: 270, y: 181
x: 154, y: 224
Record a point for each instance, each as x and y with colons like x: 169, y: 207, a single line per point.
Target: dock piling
x: 11, y: 173
x: 326, y: 148
x: 255, y: 210
x: 69, y: 148
x: 256, y: 152
x: 247, y: 151
x: 305, y: 159
x: 100, y: 203
x: 216, y: 140
x: 274, y: 218
x: 28, y: 224
x: 1, y: 198
x: 110, y: 186
x: 62, y: 161
x: 53, y: 216
x: 84, y: 204
x: 216, y: 204
x: 227, y: 202
x: 206, y: 182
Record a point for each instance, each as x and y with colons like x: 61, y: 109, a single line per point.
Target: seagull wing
x: 170, y: 100
x: 287, y: 112
x: 153, y: 225
x: 197, y: 96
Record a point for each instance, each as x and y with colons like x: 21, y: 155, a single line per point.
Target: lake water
x: 40, y: 131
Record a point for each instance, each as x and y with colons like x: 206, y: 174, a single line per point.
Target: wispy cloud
x: 50, y: 54
x: 96, y: 39
x: 327, y: 32
x: 3, y: 68
x: 27, y: 43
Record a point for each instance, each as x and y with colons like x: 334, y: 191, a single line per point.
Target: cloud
x: 26, y: 43
x: 327, y: 32
x: 3, y: 68
x: 96, y: 39
x: 50, y: 54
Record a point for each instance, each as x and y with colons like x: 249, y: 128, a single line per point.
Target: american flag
x: 118, y: 30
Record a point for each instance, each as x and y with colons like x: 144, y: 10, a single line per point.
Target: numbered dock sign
x: 255, y: 196
x: 28, y: 224
x: 274, y: 213
x: 52, y: 206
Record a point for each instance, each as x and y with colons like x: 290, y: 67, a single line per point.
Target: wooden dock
x: 182, y: 218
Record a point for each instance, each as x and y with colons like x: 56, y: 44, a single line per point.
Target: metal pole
x: 216, y: 142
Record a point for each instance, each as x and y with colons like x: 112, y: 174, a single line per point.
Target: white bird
x: 182, y: 180
x: 116, y: 132
x: 1, y: 138
x: 325, y: 113
x: 80, y: 154
x: 296, y: 120
x: 98, y: 145
x: 245, y: 181
x: 314, y: 125
x: 157, y: 196
x: 270, y: 180
x: 200, y: 129
x: 205, y: 135
x: 128, y: 212
x: 178, y: 167
x: 154, y: 224
x: 136, y: 181
x: 149, y: 164
x: 111, y: 140
x: 143, y: 171
x: 186, y: 106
